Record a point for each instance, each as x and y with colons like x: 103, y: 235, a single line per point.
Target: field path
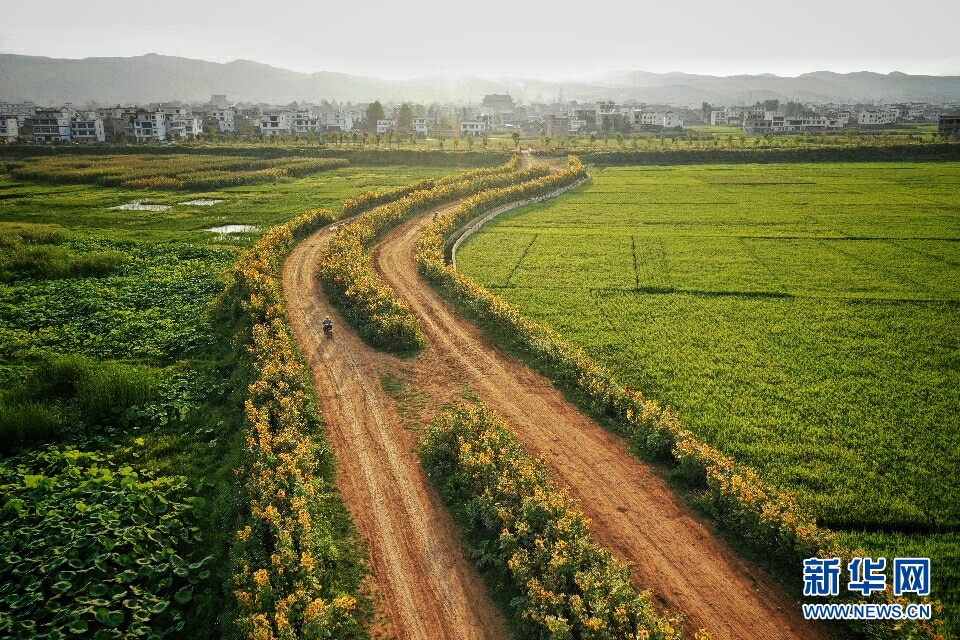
x: 425, y: 586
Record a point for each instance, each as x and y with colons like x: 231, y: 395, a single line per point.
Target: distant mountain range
x: 155, y: 78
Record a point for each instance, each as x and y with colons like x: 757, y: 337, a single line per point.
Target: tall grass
x: 64, y: 392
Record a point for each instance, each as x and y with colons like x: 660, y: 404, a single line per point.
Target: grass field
x: 110, y: 342
x: 804, y: 318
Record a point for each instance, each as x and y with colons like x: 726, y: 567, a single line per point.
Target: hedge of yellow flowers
x: 348, y: 276
x: 769, y: 519
x: 299, y: 561
x: 531, y: 538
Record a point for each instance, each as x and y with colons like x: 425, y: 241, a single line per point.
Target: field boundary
x: 477, y: 223
x: 928, y: 152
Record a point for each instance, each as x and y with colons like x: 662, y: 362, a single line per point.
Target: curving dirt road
x: 426, y: 587
x: 633, y: 511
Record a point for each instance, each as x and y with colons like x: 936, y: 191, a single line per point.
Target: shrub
x: 558, y: 581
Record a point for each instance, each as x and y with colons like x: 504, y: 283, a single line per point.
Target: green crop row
x: 370, y: 199
x: 299, y: 562
x: 532, y: 537
x: 90, y: 549
x: 768, y: 519
x: 379, y: 316
x: 170, y: 171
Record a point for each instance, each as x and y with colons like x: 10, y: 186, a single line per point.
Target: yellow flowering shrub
x: 299, y: 563
x: 532, y: 540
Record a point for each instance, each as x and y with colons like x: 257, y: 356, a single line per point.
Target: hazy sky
x: 556, y: 39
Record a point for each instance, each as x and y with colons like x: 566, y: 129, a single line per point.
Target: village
x: 495, y: 114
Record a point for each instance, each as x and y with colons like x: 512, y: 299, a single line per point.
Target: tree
x: 516, y: 138
x: 470, y: 142
x: 405, y: 118
x: 705, y: 109
x: 374, y: 112
x: 441, y: 139
x: 620, y: 140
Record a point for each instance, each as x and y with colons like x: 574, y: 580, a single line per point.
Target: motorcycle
x: 328, y: 329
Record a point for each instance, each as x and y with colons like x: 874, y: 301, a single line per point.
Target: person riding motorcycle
x: 328, y: 326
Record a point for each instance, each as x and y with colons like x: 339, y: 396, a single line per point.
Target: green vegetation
x: 531, y: 540
x: 174, y: 171
x: 116, y: 337
x: 801, y: 318
x: 89, y: 548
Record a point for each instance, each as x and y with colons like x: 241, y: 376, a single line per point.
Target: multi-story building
x: 18, y: 108
x: 498, y: 108
x: 183, y: 126
x: 474, y: 128
x: 9, y: 129
x: 719, y: 117
x: 671, y: 120
x: 50, y: 125
x: 948, y: 126
x: 386, y: 126
x: 272, y: 124
x: 876, y: 117
x: 554, y: 126
x: 150, y: 126
x: 340, y: 119
x: 606, y: 109
x: 87, y: 128
x: 421, y: 127
x: 307, y: 122
x: 224, y: 119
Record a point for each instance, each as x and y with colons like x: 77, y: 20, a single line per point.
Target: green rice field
x: 804, y: 318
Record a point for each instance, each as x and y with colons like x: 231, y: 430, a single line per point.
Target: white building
x: 183, y: 126
x: 87, y: 128
x: 224, y: 119
x: 386, y: 126
x: 607, y: 108
x: 273, y: 123
x: 150, y: 126
x: 474, y: 128
x: 671, y: 120
x: 421, y: 127
x: 9, y: 129
x: 646, y: 117
x: 18, y: 108
x: 873, y: 116
x: 219, y: 101
x: 719, y: 117
x: 340, y: 119
x: 307, y: 122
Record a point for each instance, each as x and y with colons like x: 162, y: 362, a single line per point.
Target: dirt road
x: 633, y: 511
x: 426, y: 588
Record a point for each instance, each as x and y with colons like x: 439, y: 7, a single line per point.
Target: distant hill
x: 153, y: 78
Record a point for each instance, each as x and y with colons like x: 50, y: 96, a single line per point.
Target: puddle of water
x: 141, y: 205
x: 203, y: 203
x: 234, y: 228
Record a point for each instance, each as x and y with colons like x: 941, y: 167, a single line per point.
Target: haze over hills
x: 153, y: 78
